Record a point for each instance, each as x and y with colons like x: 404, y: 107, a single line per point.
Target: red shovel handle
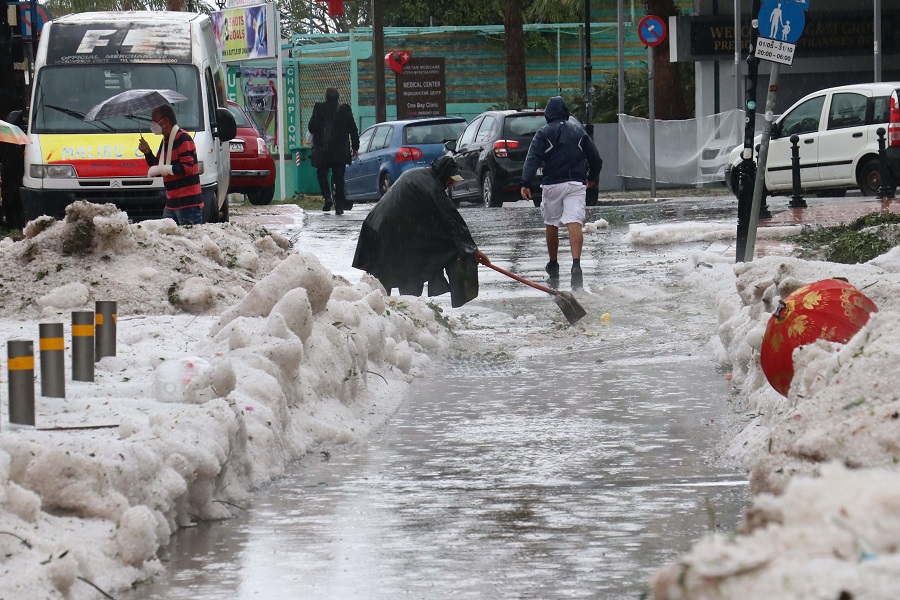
x: 538, y: 286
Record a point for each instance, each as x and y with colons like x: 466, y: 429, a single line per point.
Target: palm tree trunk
x: 514, y: 44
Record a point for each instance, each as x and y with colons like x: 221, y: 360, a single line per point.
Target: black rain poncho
x: 414, y: 234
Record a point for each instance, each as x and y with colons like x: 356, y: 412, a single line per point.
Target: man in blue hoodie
x: 571, y: 165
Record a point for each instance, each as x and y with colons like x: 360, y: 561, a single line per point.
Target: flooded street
x: 537, y: 461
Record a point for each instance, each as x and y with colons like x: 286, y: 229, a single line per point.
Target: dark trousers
x: 337, y: 184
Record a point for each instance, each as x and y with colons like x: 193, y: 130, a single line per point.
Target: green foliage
x: 605, y: 97
x: 858, y: 242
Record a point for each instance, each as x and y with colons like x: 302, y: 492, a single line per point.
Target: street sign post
x: 652, y: 31
x: 780, y: 23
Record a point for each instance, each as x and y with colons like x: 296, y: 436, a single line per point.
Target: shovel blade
x: 570, y: 307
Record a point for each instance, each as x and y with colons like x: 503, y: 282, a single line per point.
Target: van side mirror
x: 450, y: 146
x: 226, y: 127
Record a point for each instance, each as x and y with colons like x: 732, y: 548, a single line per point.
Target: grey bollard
x: 21, y: 381
x: 53, y: 360
x: 83, y: 346
x: 105, y: 334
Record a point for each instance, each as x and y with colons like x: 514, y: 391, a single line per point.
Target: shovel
x: 564, y: 300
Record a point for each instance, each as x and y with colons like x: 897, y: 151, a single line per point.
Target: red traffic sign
x: 652, y: 30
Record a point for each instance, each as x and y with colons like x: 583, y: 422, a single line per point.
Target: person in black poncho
x: 415, y: 234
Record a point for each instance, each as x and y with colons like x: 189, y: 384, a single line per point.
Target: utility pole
x: 378, y: 57
x: 588, y: 105
x: 877, y: 31
x: 12, y: 98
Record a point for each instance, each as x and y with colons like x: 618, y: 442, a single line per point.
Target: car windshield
x: 64, y: 94
x: 240, y: 117
x: 522, y: 125
x: 432, y: 133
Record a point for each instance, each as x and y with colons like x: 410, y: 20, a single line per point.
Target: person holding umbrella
x: 176, y: 162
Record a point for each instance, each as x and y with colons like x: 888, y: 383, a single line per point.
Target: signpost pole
x: 737, y: 54
x: 761, y: 169
x: 282, y: 108
x: 877, y: 48
x: 652, y: 107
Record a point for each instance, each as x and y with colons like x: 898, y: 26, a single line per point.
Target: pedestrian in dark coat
x: 335, y: 142
x: 415, y: 234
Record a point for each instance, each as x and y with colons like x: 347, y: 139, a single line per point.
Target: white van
x: 838, y: 141
x: 86, y: 58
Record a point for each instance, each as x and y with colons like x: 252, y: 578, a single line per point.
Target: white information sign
x: 775, y: 51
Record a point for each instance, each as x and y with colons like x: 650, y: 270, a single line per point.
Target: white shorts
x: 563, y: 203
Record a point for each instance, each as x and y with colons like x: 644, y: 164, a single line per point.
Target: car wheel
x: 489, y: 194
x: 261, y: 196
x: 870, y: 177
x: 384, y: 183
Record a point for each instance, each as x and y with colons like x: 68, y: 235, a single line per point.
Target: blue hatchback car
x: 388, y: 149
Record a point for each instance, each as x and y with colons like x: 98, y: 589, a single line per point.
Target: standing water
x: 538, y: 461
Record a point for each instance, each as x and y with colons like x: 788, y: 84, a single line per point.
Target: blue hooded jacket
x: 563, y: 148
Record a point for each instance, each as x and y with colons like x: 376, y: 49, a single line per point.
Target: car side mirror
x: 450, y: 146
x: 226, y: 127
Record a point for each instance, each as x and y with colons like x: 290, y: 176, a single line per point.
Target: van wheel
x: 870, y: 177
x: 490, y: 195
x: 261, y: 196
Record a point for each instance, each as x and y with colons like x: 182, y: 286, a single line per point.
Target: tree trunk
x: 669, y: 90
x: 514, y: 44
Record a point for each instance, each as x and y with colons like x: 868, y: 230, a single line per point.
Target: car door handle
x: 858, y: 134
x: 809, y: 141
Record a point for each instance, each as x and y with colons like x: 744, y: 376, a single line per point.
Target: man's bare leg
x: 576, y: 241
x: 552, y: 234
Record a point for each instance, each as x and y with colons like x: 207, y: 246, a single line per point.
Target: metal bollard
x: 21, y: 381
x: 105, y: 335
x: 797, y: 200
x: 885, y: 189
x: 53, y: 361
x: 83, y: 346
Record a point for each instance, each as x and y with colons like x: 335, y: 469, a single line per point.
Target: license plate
x: 236, y: 146
x: 540, y: 171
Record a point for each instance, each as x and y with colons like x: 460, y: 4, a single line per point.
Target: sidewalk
x: 825, y: 212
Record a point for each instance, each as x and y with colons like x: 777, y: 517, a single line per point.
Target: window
x: 468, y: 135
x: 66, y: 93
x: 881, y: 107
x: 847, y: 110
x: 382, y: 138
x: 485, y: 132
x: 433, y: 133
x: 804, y: 118
x: 365, y: 138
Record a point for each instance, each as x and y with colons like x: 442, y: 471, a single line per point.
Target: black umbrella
x: 132, y: 102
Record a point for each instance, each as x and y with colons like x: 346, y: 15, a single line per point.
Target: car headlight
x: 53, y: 172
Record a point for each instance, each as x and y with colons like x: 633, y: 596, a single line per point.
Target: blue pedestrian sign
x: 652, y: 30
x: 782, y: 20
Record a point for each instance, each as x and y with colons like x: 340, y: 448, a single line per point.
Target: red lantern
x: 830, y: 309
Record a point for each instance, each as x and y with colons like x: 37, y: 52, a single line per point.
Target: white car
x: 838, y: 141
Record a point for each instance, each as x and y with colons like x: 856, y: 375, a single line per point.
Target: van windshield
x: 64, y: 94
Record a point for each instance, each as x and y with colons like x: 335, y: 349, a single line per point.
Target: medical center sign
x: 780, y: 23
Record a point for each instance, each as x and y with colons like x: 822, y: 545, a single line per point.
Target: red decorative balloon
x: 830, y: 309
